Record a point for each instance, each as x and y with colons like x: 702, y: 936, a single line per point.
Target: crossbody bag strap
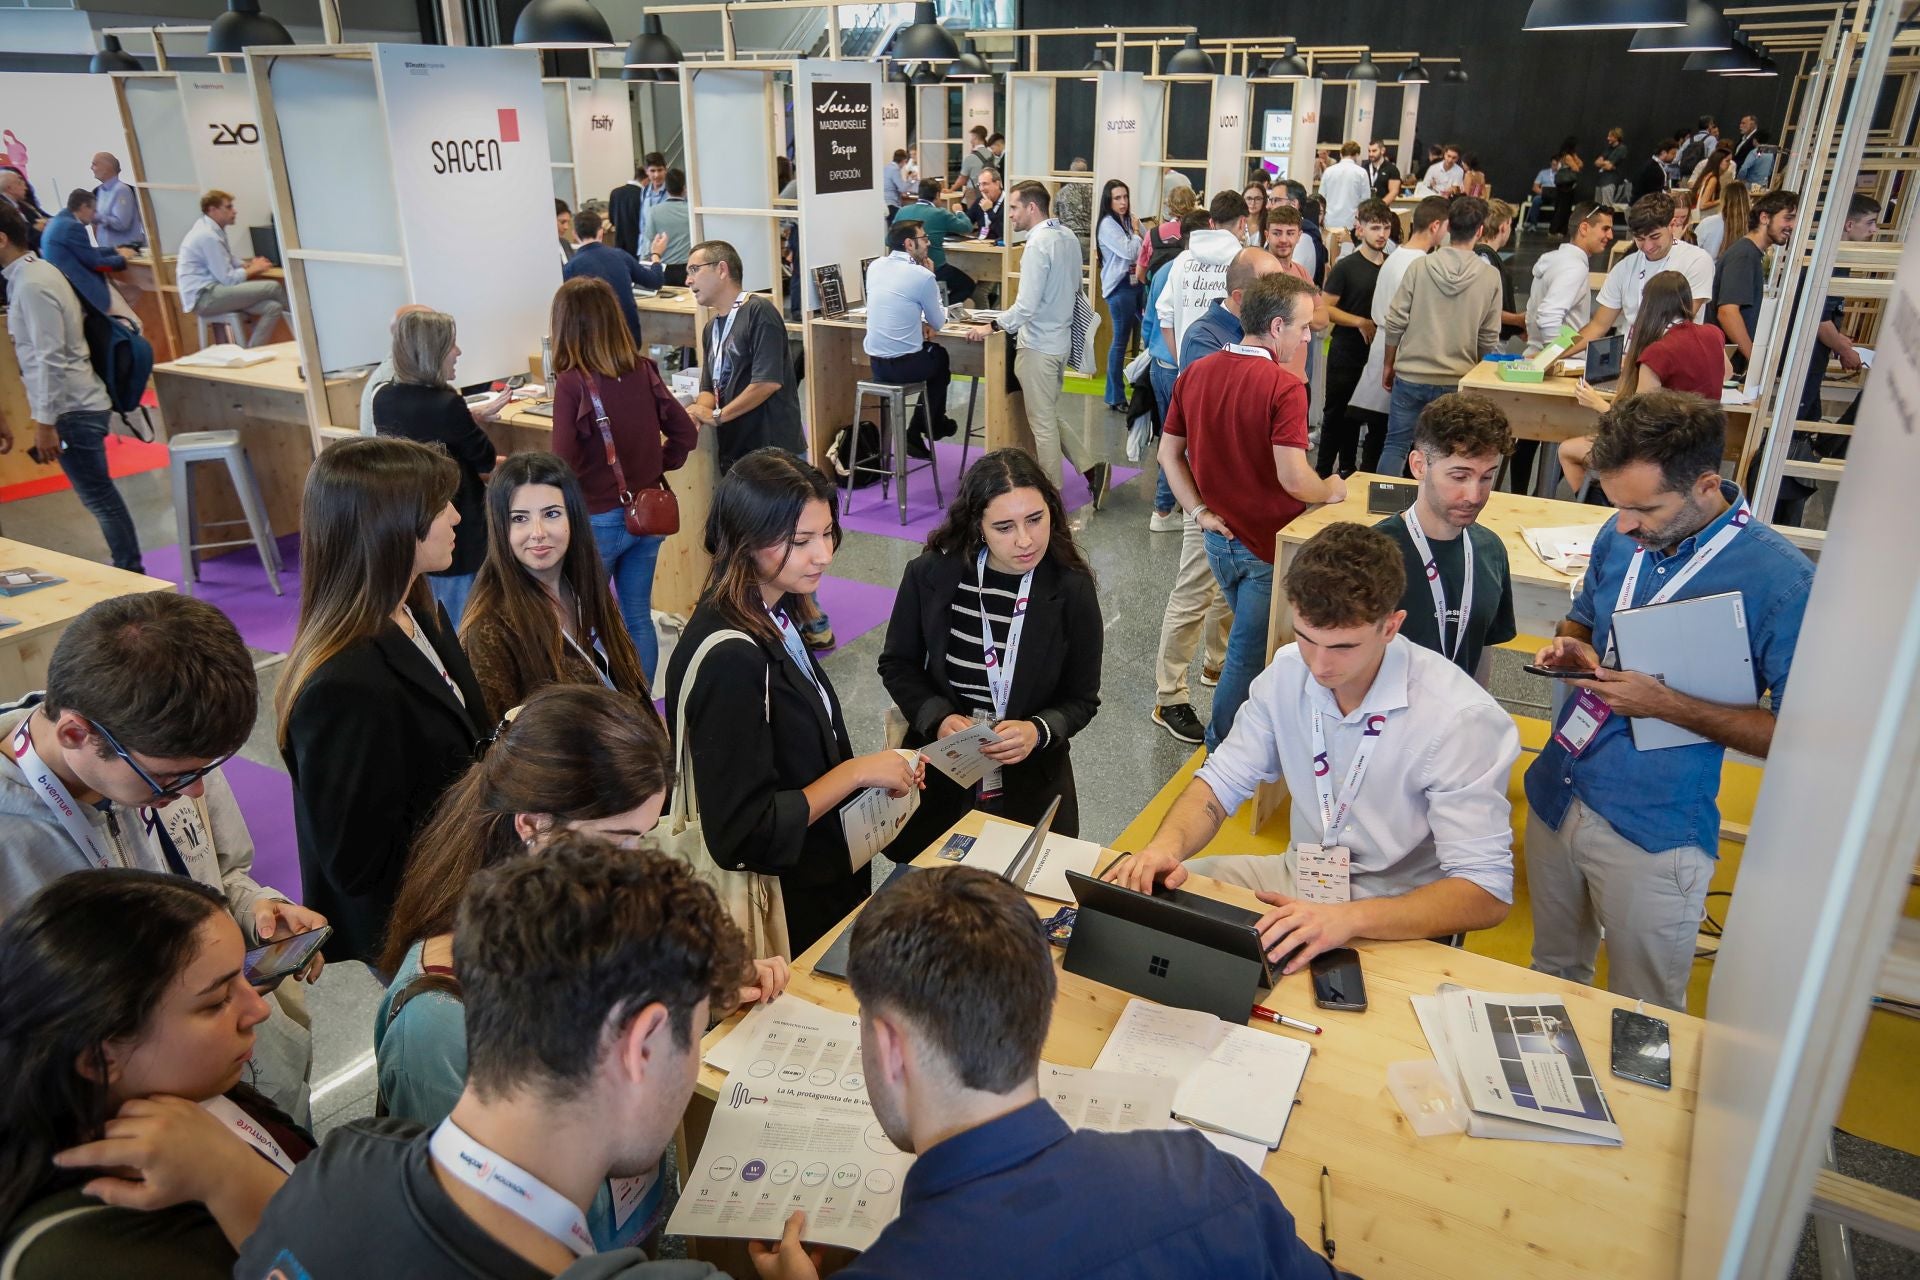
x: 601, y: 420
x: 685, y: 808
x: 16, y: 1252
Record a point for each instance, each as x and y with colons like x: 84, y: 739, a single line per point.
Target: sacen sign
x: 476, y: 155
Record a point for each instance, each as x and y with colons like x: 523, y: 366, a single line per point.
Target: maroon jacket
x: 651, y: 432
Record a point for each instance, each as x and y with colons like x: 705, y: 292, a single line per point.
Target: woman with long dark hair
x: 772, y: 762
x: 1118, y: 237
x: 1717, y: 173
x: 607, y: 395
x: 1003, y: 577
x: 126, y: 1024
x: 541, y: 613
x: 377, y: 710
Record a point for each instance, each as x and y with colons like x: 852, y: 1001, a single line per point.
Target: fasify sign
x: 842, y: 137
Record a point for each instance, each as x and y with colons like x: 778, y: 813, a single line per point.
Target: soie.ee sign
x: 842, y: 137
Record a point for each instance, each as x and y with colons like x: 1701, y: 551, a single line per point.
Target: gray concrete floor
x: 1121, y: 759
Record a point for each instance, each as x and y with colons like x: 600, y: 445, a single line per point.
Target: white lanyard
x: 432, y: 655
x: 724, y: 329
x: 54, y: 794
x: 248, y: 1130
x: 1000, y: 672
x: 597, y: 664
x: 1742, y: 516
x: 511, y: 1187
x: 797, y: 650
x: 1432, y: 568
x: 1240, y: 350
x: 1332, y: 817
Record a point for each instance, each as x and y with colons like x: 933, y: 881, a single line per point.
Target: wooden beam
x: 1883, y: 1214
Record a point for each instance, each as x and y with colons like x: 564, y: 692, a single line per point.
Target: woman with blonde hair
x: 377, y: 711
x: 620, y: 429
x: 1719, y: 230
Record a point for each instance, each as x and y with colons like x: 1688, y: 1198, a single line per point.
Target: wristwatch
x: 994, y: 325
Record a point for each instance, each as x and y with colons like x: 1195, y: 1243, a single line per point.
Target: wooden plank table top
x: 281, y: 372
x: 44, y: 614
x: 1405, y: 1206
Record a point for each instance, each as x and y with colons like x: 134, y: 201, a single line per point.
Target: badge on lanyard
x: 1321, y: 873
x: 1583, y: 721
x: 1432, y: 569
x: 999, y: 672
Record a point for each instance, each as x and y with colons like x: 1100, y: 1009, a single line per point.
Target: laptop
x: 266, y: 244
x: 1604, y: 357
x: 1180, y: 948
x: 1699, y: 646
x: 1390, y: 497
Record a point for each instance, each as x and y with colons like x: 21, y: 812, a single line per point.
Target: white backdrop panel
x: 1227, y: 135
x: 602, y: 117
x: 1409, y: 119
x: 553, y: 99
x: 1150, y: 180
x: 1118, y: 105
x: 166, y: 156
x: 976, y: 107
x: 841, y: 226
x: 223, y: 128
x: 50, y: 126
x: 1306, y: 131
x: 731, y: 123
x: 893, y: 120
x: 468, y: 162
x: 1361, y: 106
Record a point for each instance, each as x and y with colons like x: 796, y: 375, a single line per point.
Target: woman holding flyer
x: 997, y: 624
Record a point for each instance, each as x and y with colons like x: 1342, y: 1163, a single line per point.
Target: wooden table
x: 267, y: 405
x: 155, y: 299
x: 984, y: 260
x: 670, y: 319
x: 836, y: 360
x: 1405, y: 1206
x: 45, y: 614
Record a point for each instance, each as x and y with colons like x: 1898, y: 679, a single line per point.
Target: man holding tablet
x: 1411, y: 836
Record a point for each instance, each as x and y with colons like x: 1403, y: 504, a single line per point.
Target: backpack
x: 123, y: 359
x: 1693, y: 153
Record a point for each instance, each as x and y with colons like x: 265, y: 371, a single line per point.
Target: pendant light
x: 1190, y: 59
x: 1604, y: 15
x: 1289, y: 65
x: 1738, y: 59
x: 970, y: 66
x: 1456, y: 74
x: 1415, y: 73
x: 560, y: 24
x: 652, y: 49
x: 926, y: 75
x: 1098, y: 64
x: 113, y: 58
x: 243, y: 25
x: 1365, y: 68
x: 1705, y: 32
x: 925, y: 40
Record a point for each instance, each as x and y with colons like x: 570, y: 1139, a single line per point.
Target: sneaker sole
x: 1179, y: 737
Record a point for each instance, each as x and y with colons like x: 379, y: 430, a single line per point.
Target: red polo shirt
x: 1233, y: 407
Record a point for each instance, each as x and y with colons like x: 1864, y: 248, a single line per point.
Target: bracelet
x: 1195, y: 510
x: 1046, y: 732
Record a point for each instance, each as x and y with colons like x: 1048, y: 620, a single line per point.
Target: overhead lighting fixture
x: 113, y: 58
x: 1738, y: 59
x: 1098, y: 64
x: 897, y: 73
x: 970, y: 66
x: 652, y: 48
x: 559, y: 24
x: 1365, y: 69
x: 1289, y: 65
x: 1456, y: 74
x: 925, y: 40
x: 1190, y: 59
x: 1768, y: 67
x: 926, y: 75
x: 1705, y: 31
x: 243, y: 26
x: 1415, y: 73
x: 1604, y: 15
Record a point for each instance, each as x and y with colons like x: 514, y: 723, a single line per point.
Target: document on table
x: 793, y: 1129
x: 1239, y: 1080
x: 998, y: 844
x: 873, y: 817
x: 958, y: 754
x: 224, y: 355
x: 1519, y: 1066
x: 1107, y: 1101
x: 1565, y: 548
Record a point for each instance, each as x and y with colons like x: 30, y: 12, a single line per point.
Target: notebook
x: 1697, y: 646
x: 1237, y: 1080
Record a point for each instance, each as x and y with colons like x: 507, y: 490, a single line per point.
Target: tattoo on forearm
x: 1215, y: 812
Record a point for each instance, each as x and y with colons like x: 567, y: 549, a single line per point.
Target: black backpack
x: 123, y: 359
x: 1693, y: 153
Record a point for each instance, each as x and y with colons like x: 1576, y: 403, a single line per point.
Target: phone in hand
x: 271, y: 963
x: 1559, y: 673
x: 1338, y: 982
x: 1642, y: 1049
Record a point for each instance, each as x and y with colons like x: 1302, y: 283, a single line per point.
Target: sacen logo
x: 466, y: 155
x: 598, y: 123
x: 234, y: 135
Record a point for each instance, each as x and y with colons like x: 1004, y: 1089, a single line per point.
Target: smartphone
x: 1641, y: 1050
x: 1337, y: 981
x: 1559, y: 673
x: 270, y: 963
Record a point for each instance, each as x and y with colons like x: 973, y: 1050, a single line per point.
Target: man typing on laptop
x: 1397, y: 762
x: 1619, y: 838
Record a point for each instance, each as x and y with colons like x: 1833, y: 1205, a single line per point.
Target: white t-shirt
x: 1370, y: 394
x: 1709, y: 233
x: 1628, y: 279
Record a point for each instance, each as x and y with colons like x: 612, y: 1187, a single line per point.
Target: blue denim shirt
x: 1026, y: 1196
x: 1215, y: 328
x: 1156, y: 339
x: 1666, y: 799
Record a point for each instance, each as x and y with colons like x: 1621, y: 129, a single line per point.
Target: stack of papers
x: 1566, y: 548
x: 224, y: 355
x: 873, y: 817
x: 1236, y: 1080
x: 999, y: 843
x: 1519, y: 1065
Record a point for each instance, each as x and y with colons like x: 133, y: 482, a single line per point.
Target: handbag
x: 752, y: 899
x: 650, y: 512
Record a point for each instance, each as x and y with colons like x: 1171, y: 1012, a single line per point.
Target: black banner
x: 842, y: 137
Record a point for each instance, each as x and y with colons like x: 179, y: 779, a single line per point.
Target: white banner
x: 471, y: 175
x: 1306, y: 131
x: 223, y: 131
x: 976, y: 107
x: 1360, y: 113
x: 1409, y: 119
x: 602, y: 116
x: 50, y: 126
x: 843, y: 211
x: 1227, y: 135
x: 1117, y: 109
x: 893, y: 120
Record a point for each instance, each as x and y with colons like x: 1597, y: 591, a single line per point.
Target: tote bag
x: 753, y: 900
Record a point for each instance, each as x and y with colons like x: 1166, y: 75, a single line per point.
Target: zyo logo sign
x: 235, y: 135
x: 476, y: 155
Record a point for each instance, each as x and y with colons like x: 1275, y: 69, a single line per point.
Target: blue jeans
x: 1409, y: 398
x: 1247, y: 582
x: 83, y: 456
x: 1123, y: 306
x: 452, y: 590
x: 629, y: 559
x: 1160, y: 377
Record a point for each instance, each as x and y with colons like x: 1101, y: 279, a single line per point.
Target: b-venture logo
x: 476, y: 155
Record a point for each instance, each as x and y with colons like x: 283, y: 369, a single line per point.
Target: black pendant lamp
x: 1415, y: 72
x: 1456, y: 74
x: 1738, y: 59
x: 1190, y: 59
x: 113, y: 58
x: 925, y: 40
x: 561, y: 24
x: 1705, y: 32
x: 1098, y: 64
x: 925, y: 75
x: 970, y: 65
x: 1365, y: 69
x: 1604, y: 15
x: 1289, y: 65
x: 652, y: 49
x: 242, y: 26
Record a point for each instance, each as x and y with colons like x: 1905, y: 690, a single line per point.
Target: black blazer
x: 623, y: 207
x: 1056, y: 679
x: 375, y: 738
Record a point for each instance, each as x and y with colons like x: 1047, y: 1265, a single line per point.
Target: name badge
x: 1589, y: 712
x: 1321, y: 873
x: 628, y: 1194
x: 991, y: 783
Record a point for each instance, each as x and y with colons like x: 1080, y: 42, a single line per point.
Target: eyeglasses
x: 695, y: 266
x: 176, y: 784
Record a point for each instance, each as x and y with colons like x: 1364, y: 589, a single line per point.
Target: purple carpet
x: 877, y: 512
x: 854, y: 608
x: 237, y: 585
x: 265, y: 796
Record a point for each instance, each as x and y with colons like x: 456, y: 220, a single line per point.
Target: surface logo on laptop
x: 1157, y: 966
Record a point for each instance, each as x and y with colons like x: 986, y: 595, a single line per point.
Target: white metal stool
x: 897, y: 403
x: 233, y: 320
x: 969, y: 431
x: 190, y: 447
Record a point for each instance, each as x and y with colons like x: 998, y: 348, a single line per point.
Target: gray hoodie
x: 1444, y: 317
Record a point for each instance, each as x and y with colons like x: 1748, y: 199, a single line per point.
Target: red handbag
x: 650, y: 512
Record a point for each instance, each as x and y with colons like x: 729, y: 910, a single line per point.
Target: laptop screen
x: 1604, y: 357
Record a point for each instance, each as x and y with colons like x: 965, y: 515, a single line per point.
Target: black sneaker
x: 1180, y: 721
x: 1099, y: 476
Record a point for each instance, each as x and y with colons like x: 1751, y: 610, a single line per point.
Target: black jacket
x: 760, y: 734
x: 1056, y: 678
x: 438, y: 415
x: 1652, y: 178
x: 375, y: 738
x: 623, y: 207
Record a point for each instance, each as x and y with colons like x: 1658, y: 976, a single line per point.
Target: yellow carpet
x: 1880, y: 1101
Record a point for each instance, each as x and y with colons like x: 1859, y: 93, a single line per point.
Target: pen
x: 1261, y: 1011
x: 1326, y: 1211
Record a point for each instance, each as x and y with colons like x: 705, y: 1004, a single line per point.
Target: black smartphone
x: 268, y: 964
x: 1642, y: 1051
x: 1337, y: 981
x: 1559, y: 673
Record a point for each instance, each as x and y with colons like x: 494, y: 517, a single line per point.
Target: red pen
x: 1261, y: 1011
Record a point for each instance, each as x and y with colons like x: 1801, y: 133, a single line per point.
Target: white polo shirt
x: 1628, y: 279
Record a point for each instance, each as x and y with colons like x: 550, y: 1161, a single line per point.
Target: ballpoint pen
x: 1326, y: 1212
x: 1261, y: 1011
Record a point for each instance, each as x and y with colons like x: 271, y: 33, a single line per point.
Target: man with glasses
x: 1650, y: 219
x: 117, y: 764
x: 903, y: 315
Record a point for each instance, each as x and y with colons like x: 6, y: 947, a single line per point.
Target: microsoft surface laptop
x: 1604, y: 357
x: 1177, y: 947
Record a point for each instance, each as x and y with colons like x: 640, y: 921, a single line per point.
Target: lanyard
x: 248, y: 1130
x: 54, y: 794
x: 1331, y: 817
x: 724, y: 330
x: 797, y: 650
x: 1742, y: 516
x: 999, y: 671
x: 432, y: 655
x: 511, y: 1187
x: 1240, y: 350
x: 596, y: 659
x: 1432, y: 567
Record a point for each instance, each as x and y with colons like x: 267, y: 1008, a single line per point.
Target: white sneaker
x: 1171, y: 522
